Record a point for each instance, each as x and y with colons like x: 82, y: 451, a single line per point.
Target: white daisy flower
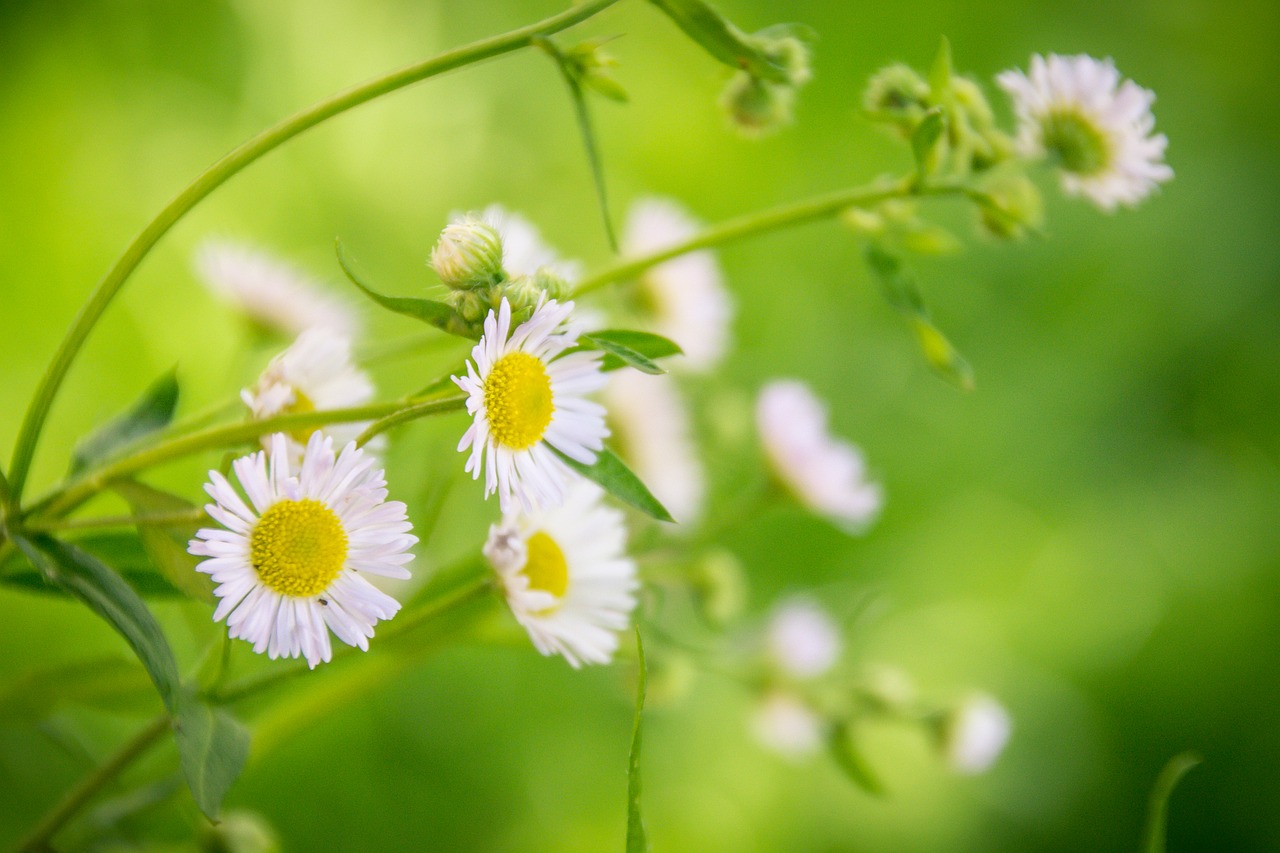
x: 270, y: 291
x: 787, y: 726
x: 566, y: 575
x: 1098, y: 127
x: 802, y: 638
x: 290, y: 563
x: 826, y: 474
x: 523, y: 249
x: 686, y: 294
x: 529, y: 401
x: 975, y: 733
x: 656, y: 437
x: 315, y: 373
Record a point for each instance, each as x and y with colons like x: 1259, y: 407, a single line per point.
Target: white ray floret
x: 686, y: 295
x: 270, y: 291
x: 1097, y: 126
x: 314, y: 374
x: 826, y: 474
x: 976, y: 733
x: 529, y: 400
x: 802, y: 638
x: 566, y: 576
x: 290, y: 561
x: 656, y: 436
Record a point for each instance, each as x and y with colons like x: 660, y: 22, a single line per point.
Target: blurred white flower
x: 802, y: 639
x: 826, y: 474
x: 975, y: 733
x: 785, y: 725
x: 686, y: 294
x: 290, y: 563
x: 272, y: 292
x: 652, y: 424
x: 314, y: 374
x: 566, y: 575
x: 1098, y: 127
x: 529, y: 401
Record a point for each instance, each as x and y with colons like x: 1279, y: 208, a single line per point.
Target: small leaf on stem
x: 613, y: 475
x: 151, y: 412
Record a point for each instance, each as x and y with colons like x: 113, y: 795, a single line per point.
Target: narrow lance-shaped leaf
x: 122, y: 550
x: 636, y: 840
x: 151, y: 412
x: 851, y: 760
x: 112, y: 599
x: 924, y: 141
x: 612, y: 474
x: 621, y: 355
x: 213, y: 747
x: 1158, y: 808
x: 721, y: 39
x: 437, y: 314
x: 166, y: 543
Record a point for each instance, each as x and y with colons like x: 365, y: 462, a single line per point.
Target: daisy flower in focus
x: 656, y: 436
x: 529, y: 401
x: 1098, y: 127
x: 824, y: 473
x: 802, y: 639
x: 290, y: 561
x: 566, y: 575
x: 270, y: 292
x: 685, y: 295
x: 314, y: 374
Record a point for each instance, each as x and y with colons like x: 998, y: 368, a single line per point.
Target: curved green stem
x: 409, y: 413
x: 773, y: 219
x: 78, y: 491
x: 162, y: 519
x: 219, y: 172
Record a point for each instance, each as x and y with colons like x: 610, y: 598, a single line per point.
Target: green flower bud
x: 719, y: 587
x: 1013, y: 206
x: 468, y: 254
x: 757, y: 107
x: 524, y: 294
x: 471, y: 306
x: 552, y: 284
x: 898, y: 95
x: 789, y: 52
x: 240, y: 832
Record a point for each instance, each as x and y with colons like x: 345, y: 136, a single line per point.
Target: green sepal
x: 152, y: 411
x: 612, y: 474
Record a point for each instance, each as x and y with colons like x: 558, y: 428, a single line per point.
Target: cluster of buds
x: 468, y: 258
x: 758, y: 104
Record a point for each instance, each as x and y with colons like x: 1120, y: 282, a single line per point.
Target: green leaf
x: 1153, y: 837
x: 213, y: 748
x: 621, y: 355
x: 944, y: 358
x: 851, y: 760
x: 123, y: 551
x: 613, y: 475
x: 112, y: 599
x: 924, y: 140
x: 646, y: 345
x: 722, y: 39
x: 152, y: 411
x: 941, y: 70
x: 109, y: 684
x: 636, y: 840
x: 166, y: 544
x: 437, y: 314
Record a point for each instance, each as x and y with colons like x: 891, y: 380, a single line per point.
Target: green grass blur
x: 1090, y: 535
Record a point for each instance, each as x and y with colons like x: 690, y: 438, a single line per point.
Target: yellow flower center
x: 298, y: 547
x: 545, y: 567
x: 1079, y: 145
x: 517, y: 400
x: 301, y: 405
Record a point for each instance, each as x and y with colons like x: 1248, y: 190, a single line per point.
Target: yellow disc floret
x: 545, y: 567
x: 517, y: 400
x: 298, y: 547
x: 301, y: 405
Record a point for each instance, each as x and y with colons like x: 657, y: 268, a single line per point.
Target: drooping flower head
x: 825, y: 473
x: 656, y: 436
x: 802, y: 639
x: 290, y: 561
x: 1097, y: 126
x: 529, y: 401
x: 314, y: 374
x: 685, y: 295
x: 271, y: 292
x: 566, y: 575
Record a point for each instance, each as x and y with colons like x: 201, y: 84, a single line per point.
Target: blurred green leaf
x: 634, y: 352
x: 437, y: 314
x: 110, y: 684
x: 613, y: 475
x: 849, y: 758
x: 925, y: 138
x: 166, y: 544
x: 944, y: 358
x: 152, y: 411
x: 636, y: 840
x: 941, y: 70
x: 722, y: 39
x: 1153, y: 838
x: 123, y: 551
x: 114, y: 600
x: 213, y: 747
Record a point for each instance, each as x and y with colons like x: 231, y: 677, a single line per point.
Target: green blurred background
x: 1091, y: 535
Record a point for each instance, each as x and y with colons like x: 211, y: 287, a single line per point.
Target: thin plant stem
x: 404, y: 416
x: 773, y: 219
x: 75, y: 799
x: 165, y: 519
x: 220, y: 172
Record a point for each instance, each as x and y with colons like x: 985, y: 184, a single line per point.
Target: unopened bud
x: 552, y: 284
x: 240, y: 832
x: 468, y: 254
x: 1012, y: 206
x: 897, y: 94
x: 719, y: 587
x: 757, y: 107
